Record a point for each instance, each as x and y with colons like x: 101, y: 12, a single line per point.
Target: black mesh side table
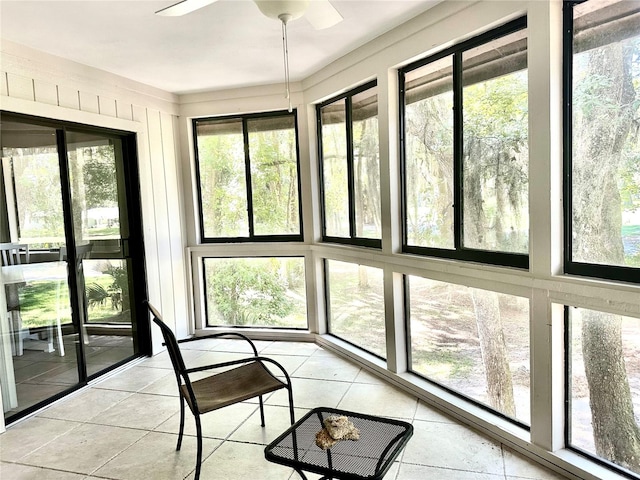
x: 381, y: 440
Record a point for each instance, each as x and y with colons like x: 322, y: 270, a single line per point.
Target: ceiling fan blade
x: 184, y: 7
x: 321, y: 14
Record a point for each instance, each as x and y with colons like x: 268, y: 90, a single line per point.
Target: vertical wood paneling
x: 19, y: 86
x: 160, y: 209
x: 107, y: 106
x: 68, y: 97
x: 174, y: 213
x: 146, y: 197
x: 3, y: 84
x: 45, y: 92
x: 124, y: 110
x: 88, y: 102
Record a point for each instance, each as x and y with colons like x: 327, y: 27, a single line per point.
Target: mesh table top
x: 381, y: 440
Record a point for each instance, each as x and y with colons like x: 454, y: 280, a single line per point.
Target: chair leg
x: 181, y: 423
x: 291, y: 412
x: 199, y: 454
x: 261, y: 411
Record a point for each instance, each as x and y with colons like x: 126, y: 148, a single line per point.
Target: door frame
x: 131, y: 134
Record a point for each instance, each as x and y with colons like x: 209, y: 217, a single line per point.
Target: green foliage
x: 99, y: 171
x: 119, y: 289
x: 248, y: 291
x: 222, y: 179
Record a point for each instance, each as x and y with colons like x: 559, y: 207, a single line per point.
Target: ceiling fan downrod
x: 284, y: 18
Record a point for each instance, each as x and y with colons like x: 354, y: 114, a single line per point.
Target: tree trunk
x: 598, y: 145
x: 494, y: 351
x: 615, y: 432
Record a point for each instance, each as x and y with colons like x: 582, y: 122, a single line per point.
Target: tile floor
x: 124, y: 427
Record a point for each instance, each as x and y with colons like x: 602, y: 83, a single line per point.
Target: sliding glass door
x: 68, y: 302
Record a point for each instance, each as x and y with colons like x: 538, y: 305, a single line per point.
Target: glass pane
x: 37, y: 337
x: 428, y: 175
x: 31, y: 174
x: 221, y: 165
x: 495, y: 159
x: 274, y: 175
x: 334, y: 170
x: 259, y: 292
x: 101, y: 229
x: 473, y: 341
x: 366, y: 164
x: 356, y: 305
x: 606, y: 152
x: 604, y: 390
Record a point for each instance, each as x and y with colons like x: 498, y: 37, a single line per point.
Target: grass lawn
x: 43, y: 302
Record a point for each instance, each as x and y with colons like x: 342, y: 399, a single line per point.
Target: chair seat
x: 232, y: 386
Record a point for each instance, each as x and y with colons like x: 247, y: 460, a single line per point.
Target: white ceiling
x: 226, y: 44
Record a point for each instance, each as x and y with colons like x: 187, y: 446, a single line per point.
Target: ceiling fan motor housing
x: 284, y: 10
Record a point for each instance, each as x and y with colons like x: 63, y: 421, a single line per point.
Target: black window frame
x: 459, y: 252
x: 252, y: 237
x: 571, y: 267
x: 353, y: 239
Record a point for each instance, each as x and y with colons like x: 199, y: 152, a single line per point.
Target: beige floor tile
x: 431, y: 414
x: 85, y: 405
x: 367, y: 377
x: 84, y: 449
x: 31, y: 434
x: 454, y: 447
x: 377, y: 400
x: 289, y: 362
x: 422, y: 472
x: 328, y: 368
x: 133, y: 379
x: 211, y: 358
x: 309, y: 393
x: 162, y: 360
x: 165, y: 386
x: 155, y: 457
x: 204, y: 344
x: 217, y: 424
x: 276, y: 421
x: 139, y: 410
x: 241, y: 461
x: 516, y: 465
x: 304, y: 349
x: 12, y: 471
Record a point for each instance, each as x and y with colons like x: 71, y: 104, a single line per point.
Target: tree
x: 494, y: 351
x: 605, y: 104
x: 248, y: 291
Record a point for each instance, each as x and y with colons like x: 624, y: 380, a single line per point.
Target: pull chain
x: 285, y: 52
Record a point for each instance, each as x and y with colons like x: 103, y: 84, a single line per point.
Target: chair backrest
x: 82, y: 251
x: 11, y: 252
x: 171, y: 344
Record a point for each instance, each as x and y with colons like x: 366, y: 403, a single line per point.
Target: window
x: 603, y: 388
x: 473, y: 342
x: 355, y: 305
x: 248, y: 178
x: 255, y: 292
x: 465, y: 150
x: 350, y: 167
x: 602, y: 152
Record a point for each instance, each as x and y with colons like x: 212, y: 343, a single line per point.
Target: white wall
x: 38, y: 84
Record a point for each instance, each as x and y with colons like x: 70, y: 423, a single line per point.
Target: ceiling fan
x: 320, y: 14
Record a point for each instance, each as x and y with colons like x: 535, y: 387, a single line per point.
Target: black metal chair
x: 250, y: 379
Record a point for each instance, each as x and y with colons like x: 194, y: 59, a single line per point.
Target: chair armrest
x: 223, y: 334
